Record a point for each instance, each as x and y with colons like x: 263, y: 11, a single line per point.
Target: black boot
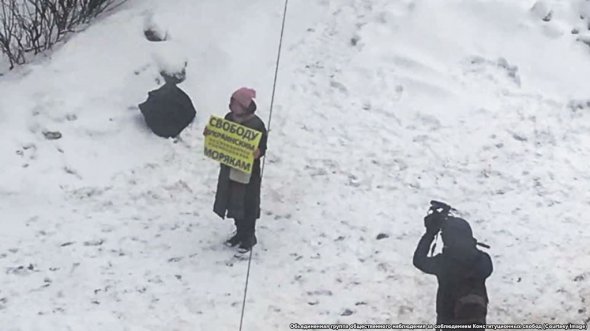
x: 247, y: 244
x: 249, y: 240
x: 233, y: 241
x: 237, y: 237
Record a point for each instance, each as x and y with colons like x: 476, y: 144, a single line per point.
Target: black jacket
x: 450, y: 268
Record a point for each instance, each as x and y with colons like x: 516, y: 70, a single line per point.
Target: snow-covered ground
x: 381, y: 106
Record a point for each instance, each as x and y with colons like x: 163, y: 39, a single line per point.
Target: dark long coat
x: 236, y: 200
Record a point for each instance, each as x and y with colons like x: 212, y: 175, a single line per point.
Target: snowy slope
x: 381, y: 106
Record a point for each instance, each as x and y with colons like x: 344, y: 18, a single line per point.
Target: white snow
x: 381, y: 106
x: 169, y: 57
x: 152, y: 23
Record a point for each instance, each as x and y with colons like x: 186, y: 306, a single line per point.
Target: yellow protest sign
x: 231, y: 143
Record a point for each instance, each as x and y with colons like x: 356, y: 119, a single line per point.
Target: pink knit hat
x: 244, y: 96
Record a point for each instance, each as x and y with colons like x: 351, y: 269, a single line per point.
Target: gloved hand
x: 432, y: 222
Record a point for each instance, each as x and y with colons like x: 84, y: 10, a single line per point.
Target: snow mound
x: 171, y: 60
x: 153, y: 29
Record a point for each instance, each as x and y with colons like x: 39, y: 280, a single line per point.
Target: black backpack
x: 471, y: 305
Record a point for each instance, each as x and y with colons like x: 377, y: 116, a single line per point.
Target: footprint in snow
x: 22, y: 270
x: 339, y: 86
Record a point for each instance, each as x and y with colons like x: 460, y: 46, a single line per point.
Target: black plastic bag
x: 168, y: 110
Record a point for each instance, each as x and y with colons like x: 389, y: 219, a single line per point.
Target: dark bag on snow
x: 167, y: 111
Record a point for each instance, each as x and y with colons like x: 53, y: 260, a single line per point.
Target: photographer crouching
x: 461, y: 269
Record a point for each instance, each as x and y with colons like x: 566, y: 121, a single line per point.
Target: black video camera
x: 437, y: 214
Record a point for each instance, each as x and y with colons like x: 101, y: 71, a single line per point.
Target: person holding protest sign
x: 238, y: 193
